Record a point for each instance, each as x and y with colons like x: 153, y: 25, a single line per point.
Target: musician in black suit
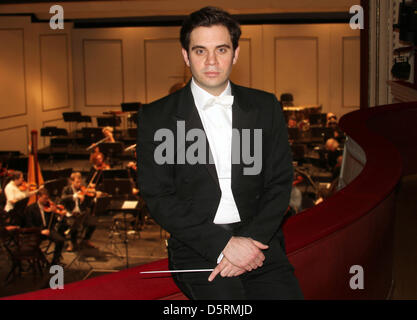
x: 222, y: 208
x: 38, y: 215
x: 79, y: 205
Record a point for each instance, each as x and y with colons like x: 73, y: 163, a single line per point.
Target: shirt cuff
x: 220, y: 258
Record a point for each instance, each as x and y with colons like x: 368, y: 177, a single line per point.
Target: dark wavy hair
x: 207, y: 17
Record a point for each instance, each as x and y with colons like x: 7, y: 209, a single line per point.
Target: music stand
x: 120, y: 189
x: 92, y: 134
x: 52, y: 132
x: 130, y: 106
x: 113, y: 121
x: 111, y: 150
x: 71, y: 117
x: 55, y: 187
x: 293, y: 134
x: 86, y: 119
x: 298, y: 151
x: 318, y: 132
x: 317, y: 119
x: 115, y: 174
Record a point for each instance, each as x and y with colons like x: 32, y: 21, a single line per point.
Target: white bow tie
x: 225, y: 101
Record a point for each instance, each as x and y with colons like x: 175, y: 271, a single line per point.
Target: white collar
x: 201, y: 96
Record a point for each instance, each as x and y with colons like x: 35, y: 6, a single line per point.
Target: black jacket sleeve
x: 278, y: 178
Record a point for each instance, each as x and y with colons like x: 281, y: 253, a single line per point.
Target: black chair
x: 23, y: 249
x: 17, y: 213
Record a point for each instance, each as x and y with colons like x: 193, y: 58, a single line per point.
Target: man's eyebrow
x: 219, y: 46
x: 197, y: 47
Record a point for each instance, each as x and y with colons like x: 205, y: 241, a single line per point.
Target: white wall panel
x: 242, y: 70
x: 351, y: 72
x: 54, y: 66
x: 164, y: 67
x: 296, y: 68
x: 14, y: 139
x: 103, y: 72
x: 12, y: 68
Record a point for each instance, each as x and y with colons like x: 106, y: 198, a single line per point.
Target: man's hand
x: 245, y: 253
x: 45, y: 232
x: 226, y: 269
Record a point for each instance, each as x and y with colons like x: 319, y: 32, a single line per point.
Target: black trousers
x: 275, y: 280
x: 89, y: 224
x: 58, y: 239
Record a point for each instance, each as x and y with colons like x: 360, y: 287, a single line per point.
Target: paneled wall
x: 35, y: 80
x: 46, y: 72
x: 318, y: 64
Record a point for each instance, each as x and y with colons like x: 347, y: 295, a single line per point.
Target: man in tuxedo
x: 38, y: 215
x: 79, y: 205
x: 222, y: 211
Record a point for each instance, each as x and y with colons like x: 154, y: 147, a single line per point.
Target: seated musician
x: 292, y: 122
x: 108, y: 138
x: 337, y: 133
x: 42, y: 214
x: 78, y: 203
x: 98, y: 165
x: 132, y: 167
x: 14, y: 191
x: 108, y: 133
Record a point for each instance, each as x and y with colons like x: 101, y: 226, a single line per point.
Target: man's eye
x: 222, y: 50
x: 199, y: 51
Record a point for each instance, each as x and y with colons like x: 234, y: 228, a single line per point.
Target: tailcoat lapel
x: 243, y: 117
x: 187, y: 111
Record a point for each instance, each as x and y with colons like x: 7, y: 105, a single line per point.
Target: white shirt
x: 77, y: 201
x: 217, y: 123
x: 13, y: 193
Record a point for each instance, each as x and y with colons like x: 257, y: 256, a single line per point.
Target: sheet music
x: 129, y: 204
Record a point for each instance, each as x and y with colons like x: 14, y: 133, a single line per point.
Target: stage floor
x: 146, y: 246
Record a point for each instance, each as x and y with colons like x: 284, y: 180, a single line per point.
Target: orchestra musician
x: 17, y: 189
x: 43, y: 214
x: 108, y: 138
x: 132, y: 168
x: 78, y: 201
x: 108, y: 133
x: 98, y: 165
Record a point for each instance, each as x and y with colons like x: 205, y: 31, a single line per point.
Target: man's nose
x: 211, y: 58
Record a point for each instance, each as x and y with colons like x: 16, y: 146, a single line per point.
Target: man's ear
x: 236, y: 55
x: 185, y: 56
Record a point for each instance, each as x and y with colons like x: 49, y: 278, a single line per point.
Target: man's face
x: 44, y: 199
x: 19, y: 181
x: 77, y: 183
x: 99, y: 160
x: 211, y: 57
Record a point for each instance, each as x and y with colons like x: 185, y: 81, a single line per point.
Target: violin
x: 103, y: 166
x: 87, y: 191
x: 25, y: 186
x: 54, y: 208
